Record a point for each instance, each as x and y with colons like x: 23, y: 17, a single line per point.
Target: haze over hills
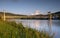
x: 10, y: 14
x: 36, y: 16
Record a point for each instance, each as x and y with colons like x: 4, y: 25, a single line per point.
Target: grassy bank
x: 13, y: 30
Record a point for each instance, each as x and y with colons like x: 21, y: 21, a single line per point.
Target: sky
x: 28, y: 7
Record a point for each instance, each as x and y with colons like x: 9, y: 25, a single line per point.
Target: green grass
x: 13, y: 30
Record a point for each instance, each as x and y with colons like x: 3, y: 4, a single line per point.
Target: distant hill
x: 11, y: 14
x: 39, y: 16
x: 57, y: 12
x: 1, y: 13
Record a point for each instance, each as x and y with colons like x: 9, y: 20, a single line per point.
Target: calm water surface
x: 42, y: 25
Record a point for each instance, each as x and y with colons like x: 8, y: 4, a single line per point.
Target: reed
x: 14, y: 30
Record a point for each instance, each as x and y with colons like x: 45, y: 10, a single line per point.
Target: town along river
x: 41, y: 25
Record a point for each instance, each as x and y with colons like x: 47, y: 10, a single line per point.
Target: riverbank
x: 35, y: 18
x: 41, y: 18
x: 13, y: 30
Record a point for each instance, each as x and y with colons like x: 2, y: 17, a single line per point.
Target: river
x: 42, y: 25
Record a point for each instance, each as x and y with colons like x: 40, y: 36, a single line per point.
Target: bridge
x: 5, y: 16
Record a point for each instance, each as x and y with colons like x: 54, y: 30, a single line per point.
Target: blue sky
x: 30, y: 6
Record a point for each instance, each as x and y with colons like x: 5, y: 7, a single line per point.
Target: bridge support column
x: 4, y: 16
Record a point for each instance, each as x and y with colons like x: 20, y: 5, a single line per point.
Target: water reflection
x: 50, y: 26
x: 43, y: 25
x: 36, y: 24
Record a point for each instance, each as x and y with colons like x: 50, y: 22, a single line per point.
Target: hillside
x: 11, y: 14
x: 57, y: 12
x: 39, y: 16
